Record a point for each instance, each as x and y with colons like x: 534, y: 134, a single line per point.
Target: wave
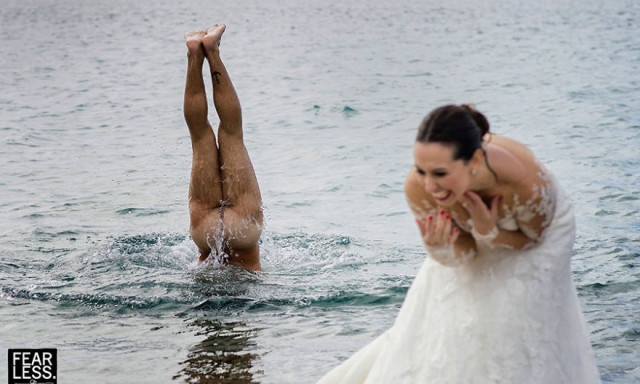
x: 160, y: 272
x: 184, y: 304
x: 153, y: 250
x: 339, y: 299
x: 610, y: 289
x: 93, y: 301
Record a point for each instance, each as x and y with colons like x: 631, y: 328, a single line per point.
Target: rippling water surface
x: 95, y: 258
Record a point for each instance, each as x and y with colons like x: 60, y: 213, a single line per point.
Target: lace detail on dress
x: 510, y: 316
x: 535, y: 214
x: 486, y: 238
x: 446, y: 255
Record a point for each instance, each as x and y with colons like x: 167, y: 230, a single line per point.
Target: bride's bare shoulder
x: 511, y: 160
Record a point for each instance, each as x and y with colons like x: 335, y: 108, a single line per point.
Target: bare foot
x: 194, y: 41
x: 211, y: 40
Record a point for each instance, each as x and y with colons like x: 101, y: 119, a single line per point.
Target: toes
x: 194, y: 35
x: 217, y: 28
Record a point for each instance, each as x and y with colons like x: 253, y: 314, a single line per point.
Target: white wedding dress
x: 508, y: 316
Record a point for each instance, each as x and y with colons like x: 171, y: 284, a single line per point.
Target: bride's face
x: 441, y: 176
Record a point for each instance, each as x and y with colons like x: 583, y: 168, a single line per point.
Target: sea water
x: 95, y: 256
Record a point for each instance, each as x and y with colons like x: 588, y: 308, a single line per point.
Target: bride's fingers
x: 454, y: 235
x: 444, y: 226
x: 439, y: 231
x: 447, y: 226
x: 428, y: 230
x: 494, y: 206
x: 434, y: 230
x: 468, y: 204
x: 472, y: 201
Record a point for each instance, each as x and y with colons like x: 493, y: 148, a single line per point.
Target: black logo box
x: 33, y: 366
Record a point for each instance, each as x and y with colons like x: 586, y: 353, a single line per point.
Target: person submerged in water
x: 225, y: 205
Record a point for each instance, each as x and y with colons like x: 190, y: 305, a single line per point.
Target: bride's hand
x: 484, y: 219
x: 439, y: 230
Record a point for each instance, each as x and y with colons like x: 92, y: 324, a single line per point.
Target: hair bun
x: 481, y: 121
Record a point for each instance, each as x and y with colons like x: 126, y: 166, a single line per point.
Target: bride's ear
x: 477, y: 159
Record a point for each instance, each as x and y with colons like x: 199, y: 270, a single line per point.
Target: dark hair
x: 459, y: 126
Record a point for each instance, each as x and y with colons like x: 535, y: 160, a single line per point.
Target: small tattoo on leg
x: 215, y: 74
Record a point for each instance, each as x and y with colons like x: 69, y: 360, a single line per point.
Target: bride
x: 494, y: 301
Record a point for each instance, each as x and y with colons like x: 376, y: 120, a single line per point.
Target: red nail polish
x: 442, y: 211
x: 448, y: 217
x: 430, y: 217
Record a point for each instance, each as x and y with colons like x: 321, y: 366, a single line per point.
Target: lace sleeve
x: 535, y: 206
